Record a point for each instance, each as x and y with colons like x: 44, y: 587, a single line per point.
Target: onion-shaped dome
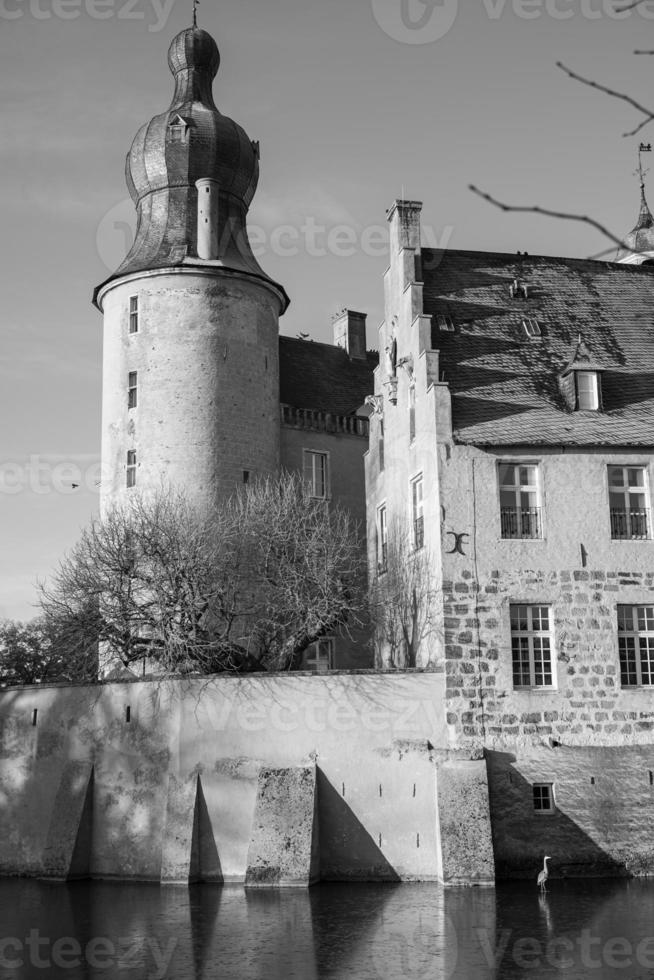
x: 191, y: 141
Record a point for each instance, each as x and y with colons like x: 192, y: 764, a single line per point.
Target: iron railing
x: 520, y: 522
x: 630, y: 524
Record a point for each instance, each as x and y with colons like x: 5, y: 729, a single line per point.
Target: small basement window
x: 543, y: 797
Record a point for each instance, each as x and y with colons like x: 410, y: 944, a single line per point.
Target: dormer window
x: 531, y: 327
x: 581, y: 380
x: 445, y: 322
x: 519, y: 289
x: 587, y: 385
x: 178, y: 129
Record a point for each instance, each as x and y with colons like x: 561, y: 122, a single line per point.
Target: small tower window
x: 131, y: 467
x: 132, y: 389
x: 178, y: 129
x: 588, y: 390
x: 133, y: 314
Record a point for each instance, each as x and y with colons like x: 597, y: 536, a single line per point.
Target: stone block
x: 284, y: 844
x: 464, y: 820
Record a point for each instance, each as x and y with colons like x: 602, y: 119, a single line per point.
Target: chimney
x: 350, y: 333
x: 404, y: 219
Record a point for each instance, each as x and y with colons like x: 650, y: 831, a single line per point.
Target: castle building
x: 199, y: 389
x: 511, y: 463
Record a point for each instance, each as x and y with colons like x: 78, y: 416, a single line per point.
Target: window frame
x: 132, y: 390
x: 309, y: 472
x: 547, y: 664
x: 627, y: 514
x: 595, y: 391
x: 635, y: 634
x: 130, y: 469
x: 412, y: 413
x: 417, y: 512
x: 134, y: 314
x: 543, y: 811
x: 381, y: 525
x: 517, y: 512
x: 330, y: 642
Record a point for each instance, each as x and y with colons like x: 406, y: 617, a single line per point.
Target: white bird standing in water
x: 544, y: 874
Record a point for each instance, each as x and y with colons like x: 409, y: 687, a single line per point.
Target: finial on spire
x: 196, y: 4
x: 643, y: 148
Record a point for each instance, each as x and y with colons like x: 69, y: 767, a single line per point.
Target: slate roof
x: 322, y: 377
x: 506, y: 387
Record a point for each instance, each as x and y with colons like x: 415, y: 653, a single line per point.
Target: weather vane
x: 643, y: 148
x: 196, y: 4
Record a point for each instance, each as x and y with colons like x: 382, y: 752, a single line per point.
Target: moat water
x: 579, y: 929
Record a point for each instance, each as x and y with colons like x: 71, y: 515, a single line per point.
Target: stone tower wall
x: 207, y: 361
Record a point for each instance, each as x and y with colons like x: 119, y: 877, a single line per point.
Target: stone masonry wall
x: 588, y: 704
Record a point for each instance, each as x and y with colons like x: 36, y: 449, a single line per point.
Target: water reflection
x: 580, y: 929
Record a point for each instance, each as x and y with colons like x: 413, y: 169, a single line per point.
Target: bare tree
x: 248, y: 585
x: 404, y: 603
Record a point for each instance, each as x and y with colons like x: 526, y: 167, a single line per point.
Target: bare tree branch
x: 535, y: 209
x: 616, y: 95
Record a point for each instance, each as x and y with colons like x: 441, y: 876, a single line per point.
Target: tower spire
x: 645, y: 219
x: 196, y: 4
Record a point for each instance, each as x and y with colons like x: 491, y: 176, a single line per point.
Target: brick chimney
x: 350, y: 333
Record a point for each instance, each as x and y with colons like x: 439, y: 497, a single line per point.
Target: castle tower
x: 191, y: 350
x: 639, y: 243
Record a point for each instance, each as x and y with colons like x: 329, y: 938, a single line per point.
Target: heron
x: 544, y: 874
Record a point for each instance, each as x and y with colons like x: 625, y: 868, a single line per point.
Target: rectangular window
x: 412, y: 413
x: 320, y: 655
x: 531, y: 646
x: 131, y: 467
x: 382, y: 541
x: 543, y: 797
x: 520, y: 512
x: 417, y: 517
x: 636, y: 645
x: 587, y: 390
x: 131, y: 389
x: 133, y: 314
x: 316, y: 473
x: 629, y: 502
x: 380, y: 445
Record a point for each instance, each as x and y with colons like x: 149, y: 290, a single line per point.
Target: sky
x: 355, y: 103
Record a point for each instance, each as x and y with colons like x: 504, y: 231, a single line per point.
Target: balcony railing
x: 308, y: 418
x: 630, y: 524
x: 518, y: 522
x: 418, y: 532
